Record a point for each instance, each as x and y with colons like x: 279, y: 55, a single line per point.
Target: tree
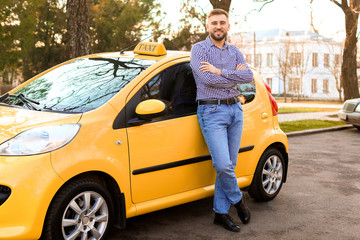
x: 36, y: 30
x: 119, y: 24
x: 193, y: 28
x: 348, y: 77
x: 223, y: 4
x: 78, y: 28
x: 334, y: 67
x: 284, y: 60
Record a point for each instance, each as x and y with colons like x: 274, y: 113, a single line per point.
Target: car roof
x: 143, y: 53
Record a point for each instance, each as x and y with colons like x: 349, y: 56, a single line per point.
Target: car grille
x: 4, y: 193
x: 349, y: 107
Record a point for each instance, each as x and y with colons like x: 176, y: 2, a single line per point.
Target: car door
x: 167, y: 155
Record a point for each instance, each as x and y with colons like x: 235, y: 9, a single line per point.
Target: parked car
x: 350, y: 112
x: 99, y: 139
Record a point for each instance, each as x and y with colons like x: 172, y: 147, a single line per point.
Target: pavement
x: 330, y: 115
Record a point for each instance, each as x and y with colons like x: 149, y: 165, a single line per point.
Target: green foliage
x: 301, y: 125
x: 29, y: 31
x: 304, y: 110
x: 33, y: 33
x: 193, y: 27
x: 119, y: 24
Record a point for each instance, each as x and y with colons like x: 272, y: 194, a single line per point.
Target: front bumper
x: 33, y: 183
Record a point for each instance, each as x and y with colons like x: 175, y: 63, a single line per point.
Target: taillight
x: 274, y: 105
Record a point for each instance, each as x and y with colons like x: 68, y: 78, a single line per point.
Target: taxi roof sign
x: 154, y: 49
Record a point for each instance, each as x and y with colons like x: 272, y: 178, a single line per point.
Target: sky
x: 287, y: 14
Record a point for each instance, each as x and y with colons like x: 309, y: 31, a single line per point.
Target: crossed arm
x: 219, y: 78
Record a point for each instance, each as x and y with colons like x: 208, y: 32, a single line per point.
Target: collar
x: 210, y: 43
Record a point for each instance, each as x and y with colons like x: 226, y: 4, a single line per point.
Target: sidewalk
x: 309, y: 105
x: 286, y: 117
x: 328, y: 115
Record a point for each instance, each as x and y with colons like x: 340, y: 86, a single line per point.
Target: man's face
x: 218, y: 26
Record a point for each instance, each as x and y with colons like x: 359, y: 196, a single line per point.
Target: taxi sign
x: 154, y: 49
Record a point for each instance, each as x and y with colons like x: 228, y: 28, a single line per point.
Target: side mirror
x: 148, y: 110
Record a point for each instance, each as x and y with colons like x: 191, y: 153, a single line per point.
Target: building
x: 305, y: 64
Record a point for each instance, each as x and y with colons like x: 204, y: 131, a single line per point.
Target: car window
x: 82, y: 85
x: 247, y: 92
x: 176, y: 87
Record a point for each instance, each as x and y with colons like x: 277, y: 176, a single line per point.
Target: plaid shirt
x: 212, y: 86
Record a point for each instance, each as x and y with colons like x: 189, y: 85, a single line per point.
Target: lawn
x: 301, y: 125
x: 304, y: 110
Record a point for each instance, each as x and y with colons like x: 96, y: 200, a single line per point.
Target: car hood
x: 15, y: 120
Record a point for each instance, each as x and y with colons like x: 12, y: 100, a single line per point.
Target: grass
x: 305, y: 110
x: 301, y: 125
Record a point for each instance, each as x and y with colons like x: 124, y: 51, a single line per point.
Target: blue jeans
x: 221, y: 126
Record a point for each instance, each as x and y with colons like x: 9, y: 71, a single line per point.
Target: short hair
x: 218, y: 11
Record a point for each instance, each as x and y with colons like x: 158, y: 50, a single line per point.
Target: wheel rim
x: 272, y: 175
x: 85, y: 217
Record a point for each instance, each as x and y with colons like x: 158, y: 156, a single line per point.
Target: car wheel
x: 269, y: 176
x: 83, y: 209
x: 357, y: 126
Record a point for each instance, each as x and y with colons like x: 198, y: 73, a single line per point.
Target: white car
x: 350, y: 112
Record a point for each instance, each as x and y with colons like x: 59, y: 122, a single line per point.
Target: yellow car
x: 106, y: 137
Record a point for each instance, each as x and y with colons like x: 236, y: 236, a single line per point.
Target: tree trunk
x: 223, y: 4
x: 348, y: 69
x: 284, y: 83
x: 78, y: 28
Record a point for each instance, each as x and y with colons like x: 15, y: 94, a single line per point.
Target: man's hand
x: 207, y: 67
x: 240, y: 67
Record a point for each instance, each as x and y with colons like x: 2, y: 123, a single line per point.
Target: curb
x: 320, y: 130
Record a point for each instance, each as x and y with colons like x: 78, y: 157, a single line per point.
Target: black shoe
x: 226, y: 221
x: 243, y: 210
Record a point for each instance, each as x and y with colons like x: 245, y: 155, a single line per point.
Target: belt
x: 227, y: 101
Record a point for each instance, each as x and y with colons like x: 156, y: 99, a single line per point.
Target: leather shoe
x: 243, y: 210
x: 226, y: 221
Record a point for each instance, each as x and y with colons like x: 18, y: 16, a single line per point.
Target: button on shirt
x: 213, y: 86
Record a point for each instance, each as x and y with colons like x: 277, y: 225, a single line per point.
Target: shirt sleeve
x: 210, y: 79
x: 239, y: 76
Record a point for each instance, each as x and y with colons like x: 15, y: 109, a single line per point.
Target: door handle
x: 264, y: 116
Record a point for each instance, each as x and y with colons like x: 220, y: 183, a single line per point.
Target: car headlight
x: 357, y: 109
x: 39, y: 140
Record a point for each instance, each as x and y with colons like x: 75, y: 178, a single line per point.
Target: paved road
x: 319, y: 201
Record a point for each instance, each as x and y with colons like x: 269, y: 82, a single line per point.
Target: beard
x: 218, y: 38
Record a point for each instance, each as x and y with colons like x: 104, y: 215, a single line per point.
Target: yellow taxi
x: 106, y: 137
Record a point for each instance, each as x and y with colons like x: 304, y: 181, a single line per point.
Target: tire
x: 269, y: 176
x: 82, y: 208
x: 357, y: 126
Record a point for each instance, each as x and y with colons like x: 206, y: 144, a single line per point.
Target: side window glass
x: 247, y: 92
x: 176, y: 87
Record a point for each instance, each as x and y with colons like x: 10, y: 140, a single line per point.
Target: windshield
x: 81, y: 85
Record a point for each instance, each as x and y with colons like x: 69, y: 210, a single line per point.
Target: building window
x: 296, y: 59
x: 315, y: 59
x: 269, y: 59
x: 258, y: 60
x: 269, y: 82
x: 326, y: 60
x: 325, y: 86
x: 248, y: 58
x: 313, y: 85
x: 337, y: 59
x: 294, y: 84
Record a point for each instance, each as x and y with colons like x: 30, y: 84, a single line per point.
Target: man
x: 218, y: 67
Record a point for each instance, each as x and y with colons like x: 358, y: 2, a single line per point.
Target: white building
x: 309, y: 63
